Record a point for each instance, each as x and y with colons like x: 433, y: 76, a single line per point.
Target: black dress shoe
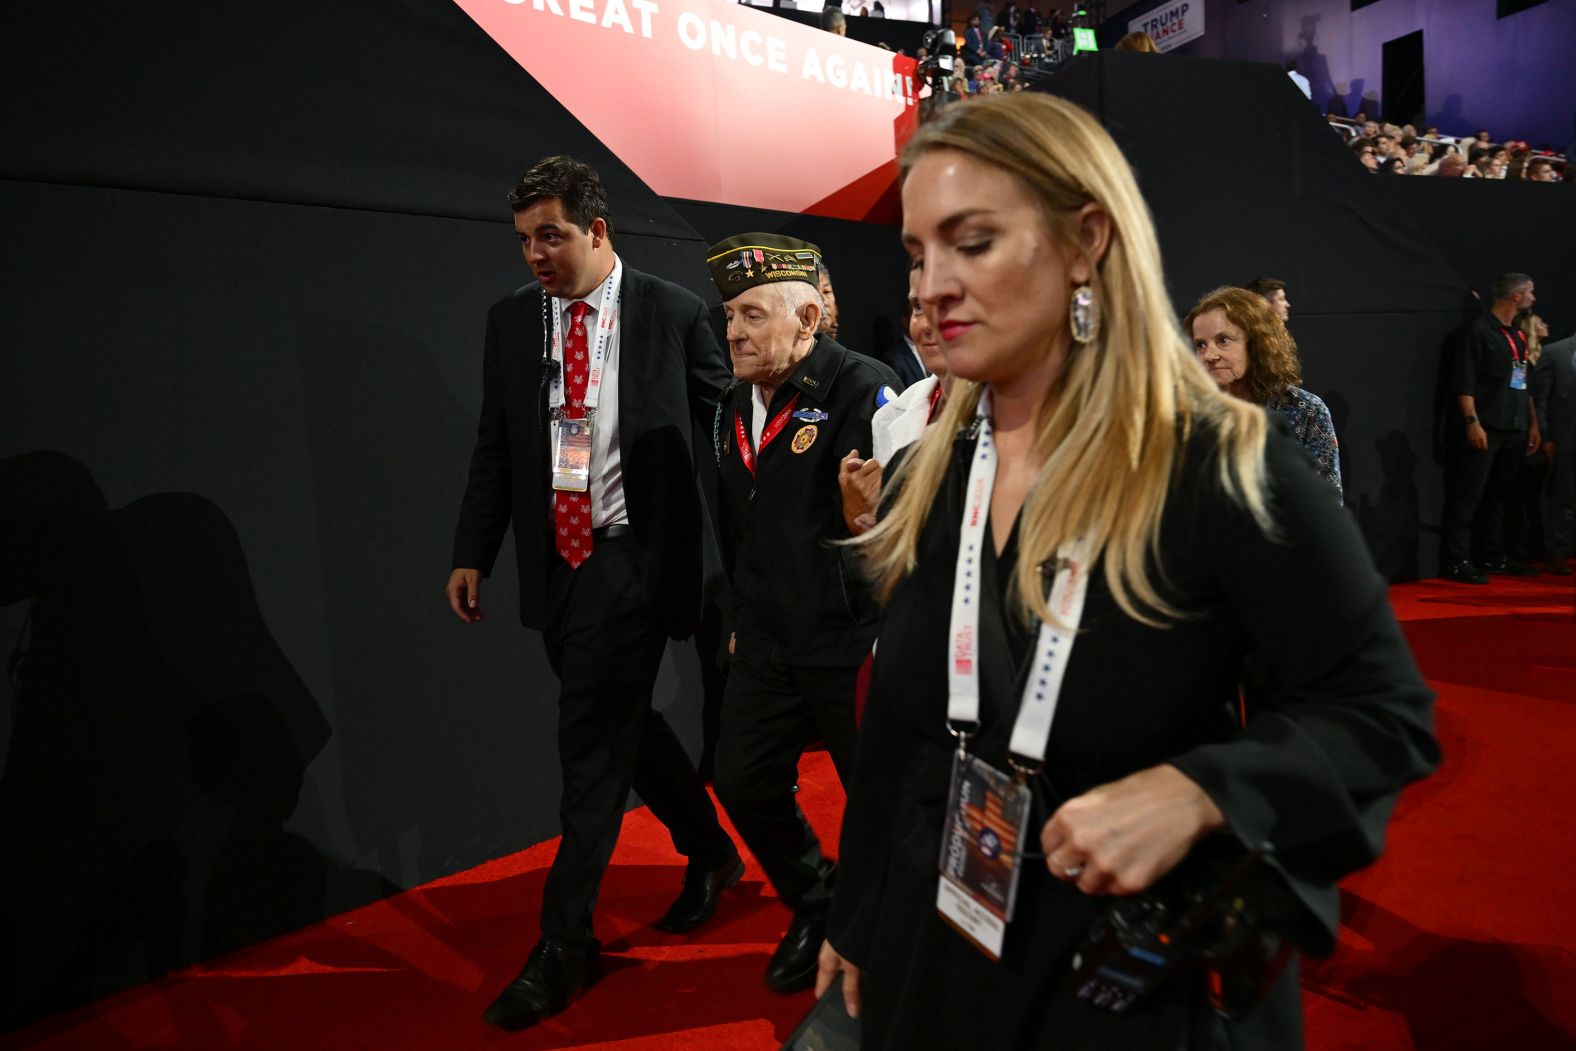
x: 546, y: 984
x: 697, y: 902
x: 794, y: 964
x: 1463, y: 573
x: 1507, y: 568
x: 1557, y: 569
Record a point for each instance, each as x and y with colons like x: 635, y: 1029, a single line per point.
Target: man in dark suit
x: 896, y: 350
x: 594, y: 379
x: 973, y: 50
x: 1554, y: 394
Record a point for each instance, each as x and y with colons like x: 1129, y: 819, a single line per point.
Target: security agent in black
x: 802, y: 621
x: 1497, y: 426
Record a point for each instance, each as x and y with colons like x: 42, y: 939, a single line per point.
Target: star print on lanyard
x: 572, y: 511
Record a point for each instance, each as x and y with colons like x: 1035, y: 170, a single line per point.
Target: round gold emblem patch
x: 804, y: 437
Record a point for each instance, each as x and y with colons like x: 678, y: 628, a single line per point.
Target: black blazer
x: 1554, y: 393
x: 1339, y: 721
x: 670, y: 373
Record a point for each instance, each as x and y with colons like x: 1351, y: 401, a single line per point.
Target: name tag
x: 1518, y: 376
x: 981, y: 844
x: 571, y: 455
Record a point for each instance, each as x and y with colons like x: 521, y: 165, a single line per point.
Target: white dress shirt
x: 607, y: 475
x: 758, y: 417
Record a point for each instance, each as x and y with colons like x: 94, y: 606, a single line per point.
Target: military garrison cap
x: 746, y: 260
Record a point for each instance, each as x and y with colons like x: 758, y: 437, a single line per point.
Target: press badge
x: 572, y: 455
x: 987, y: 819
x: 1518, y: 376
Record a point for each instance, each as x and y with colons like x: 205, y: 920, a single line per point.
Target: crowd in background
x: 1389, y: 149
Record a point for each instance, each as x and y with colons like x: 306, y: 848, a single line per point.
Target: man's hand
x: 465, y: 594
x: 1548, y: 450
x: 829, y: 964
x: 1477, y: 437
x: 1122, y: 837
x: 860, y: 482
x: 1534, y: 438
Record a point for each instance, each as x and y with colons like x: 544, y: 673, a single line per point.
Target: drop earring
x: 1083, y: 315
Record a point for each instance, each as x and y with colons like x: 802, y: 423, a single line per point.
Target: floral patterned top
x: 1311, y: 425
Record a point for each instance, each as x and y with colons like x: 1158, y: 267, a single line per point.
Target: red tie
x: 572, y: 511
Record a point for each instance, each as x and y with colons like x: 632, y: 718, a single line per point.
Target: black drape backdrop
x: 249, y: 252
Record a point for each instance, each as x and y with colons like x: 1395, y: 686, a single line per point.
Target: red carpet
x: 1461, y: 938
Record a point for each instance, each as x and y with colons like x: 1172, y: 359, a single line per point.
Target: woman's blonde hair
x: 1138, y: 41
x: 1529, y: 328
x: 1273, y: 365
x: 1112, y: 429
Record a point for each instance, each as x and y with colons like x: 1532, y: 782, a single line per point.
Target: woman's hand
x: 830, y: 964
x: 860, y: 483
x: 1122, y: 837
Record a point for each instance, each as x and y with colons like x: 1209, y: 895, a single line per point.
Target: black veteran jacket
x: 797, y: 597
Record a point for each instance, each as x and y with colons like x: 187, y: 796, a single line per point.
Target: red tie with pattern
x: 572, y: 511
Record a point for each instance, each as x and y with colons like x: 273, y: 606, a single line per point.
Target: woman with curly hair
x: 1249, y: 352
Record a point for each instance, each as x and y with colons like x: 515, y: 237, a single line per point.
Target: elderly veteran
x: 802, y: 620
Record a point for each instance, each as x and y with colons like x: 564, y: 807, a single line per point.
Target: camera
x: 937, y: 70
x: 1218, y: 931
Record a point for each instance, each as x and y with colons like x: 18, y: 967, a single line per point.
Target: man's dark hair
x: 822, y: 271
x: 831, y: 18
x: 1477, y: 153
x: 574, y: 184
x: 1265, y: 286
x: 1537, y: 164
x: 1408, y: 141
x: 1507, y: 285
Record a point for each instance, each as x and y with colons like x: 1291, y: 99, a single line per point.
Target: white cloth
x: 607, y: 473
x: 900, y: 422
x: 757, y: 418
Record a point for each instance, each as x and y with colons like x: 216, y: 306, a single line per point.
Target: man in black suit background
x: 595, y: 378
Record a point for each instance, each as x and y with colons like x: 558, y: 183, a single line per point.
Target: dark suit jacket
x: 973, y: 47
x: 891, y: 349
x: 1554, y: 392
x: 670, y: 373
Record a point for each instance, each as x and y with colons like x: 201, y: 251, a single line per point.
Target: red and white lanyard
x: 1517, y: 356
x: 1031, y: 733
x: 606, y: 318
x: 773, y: 429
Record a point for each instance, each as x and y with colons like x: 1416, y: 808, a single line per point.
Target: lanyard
x: 606, y: 318
x: 1514, y: 356
x: 772, y: 430
x: 1031, y: 733
x: 935, y: 399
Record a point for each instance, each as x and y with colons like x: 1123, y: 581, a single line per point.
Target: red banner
x: 712, y: 101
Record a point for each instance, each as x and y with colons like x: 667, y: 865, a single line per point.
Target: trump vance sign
x: 1171, y: 25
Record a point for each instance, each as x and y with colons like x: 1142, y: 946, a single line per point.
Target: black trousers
x: 606, y: 646
x: 1477, y: 484
x: 770, y: 713
x: 1559, y: 523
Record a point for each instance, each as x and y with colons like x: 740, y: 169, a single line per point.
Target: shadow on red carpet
x: 1459, y: 938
